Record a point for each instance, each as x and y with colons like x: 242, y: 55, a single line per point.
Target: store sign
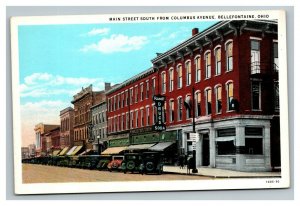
x: 159, y: 102
x: 194, y: 137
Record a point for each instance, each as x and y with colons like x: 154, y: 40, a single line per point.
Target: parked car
x: 132, y: 162
x: 115, y: 163
x: 88, y: 161
x: 103, y: 162
x: 152, y: 163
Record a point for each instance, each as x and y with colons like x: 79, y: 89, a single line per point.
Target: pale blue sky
x: 56, y: 61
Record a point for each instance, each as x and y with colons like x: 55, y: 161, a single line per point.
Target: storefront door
x: 205, y: 150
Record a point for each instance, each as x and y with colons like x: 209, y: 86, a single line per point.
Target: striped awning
x: 64, y: 151
x: 55, y: 152
x: 139, y: 146
x: 161, y: 146
x: 77, y: 149
x: 71, y: 150
x: 113, y: 150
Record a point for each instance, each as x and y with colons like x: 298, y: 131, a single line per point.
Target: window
x: 147, y: 89
x: 218, y: 60
x: 197, y: 104
x: 126, y: 97
x: 226, y: 147
x: 163, y: 82
x: 148, y: 116
x: 198, y: 68
x: 164, y: 113
x: 131, y: 95
x: 131, y: 119
x: 254, y: 146
x: 142, y: 91
x: 188, y: 108
x: 119, y: 101
x: 229, y: 88
x: 256, y: 91
x: 188, y: 70
x: 226, y: 132
x: 276, y: 96
x: 154, y: 112
x: 208, y: 101
x: 179, y: 100
x: 218, y: 99
x: 275, y: 56
x: 136, y: 93
x: 136, y: 119
x: 123, y: 100
x: 127, y: 120
x: 229, y: 58
x: 207, y: 65
x: 115, y: 103
x: 171, y: 79
x: 255, y: 56
x: 153, y: 87
x: 171, y: 108
x: 142, y: 117
x: 179, y: 76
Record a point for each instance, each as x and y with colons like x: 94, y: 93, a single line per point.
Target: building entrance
x: 205, y: 150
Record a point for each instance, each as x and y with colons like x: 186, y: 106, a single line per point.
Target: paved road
x: 50, y: 174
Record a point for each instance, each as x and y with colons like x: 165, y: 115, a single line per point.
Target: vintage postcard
x: 150, y: 102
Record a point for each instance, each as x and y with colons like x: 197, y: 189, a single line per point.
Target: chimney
x: 107, y: 86
x: 195, y: 31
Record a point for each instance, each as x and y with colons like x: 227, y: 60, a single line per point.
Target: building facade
x: 222, y: 83
x: 53, y: 141
x: 25, y: 152
x: 32, y: 149
x: 41, y: 144
x: 67, y: 127
x: 83, y: 101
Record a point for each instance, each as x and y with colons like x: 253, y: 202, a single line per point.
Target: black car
x: 152, y: 163
x: 132, y: 162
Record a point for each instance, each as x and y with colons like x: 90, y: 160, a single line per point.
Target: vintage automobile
x: 104, y: 160
x: 152, y: 163
x: 71, y: 161
x: 88, y: 161
x: 132, y: 162
x: 115, y: 163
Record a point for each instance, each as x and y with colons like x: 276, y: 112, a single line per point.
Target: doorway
x: 205, y: 150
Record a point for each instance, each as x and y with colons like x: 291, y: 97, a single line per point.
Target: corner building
x: 226, y: 78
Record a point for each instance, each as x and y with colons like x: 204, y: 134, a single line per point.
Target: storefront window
x: 254, y: 146
x: 226, y: 147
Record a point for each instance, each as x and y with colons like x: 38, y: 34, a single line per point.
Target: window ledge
x: 227, y: 71
x: 217, y: 75
x: 230, y: 111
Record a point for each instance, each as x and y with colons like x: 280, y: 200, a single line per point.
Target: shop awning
x: 84, y: 152
x: 225, y: 139
x: 113, y: 150
x: 55, y: 152
x: 71, y: 150
x: 161, y: 146
x: 139, y: 146
x: 77, y: 149
x: 64, y: 151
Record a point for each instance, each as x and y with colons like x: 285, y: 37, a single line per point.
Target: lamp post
x: 98, y: 141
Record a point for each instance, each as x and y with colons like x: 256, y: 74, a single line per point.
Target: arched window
x: 208, y: 101
x: 207, y: 65
x: 229, y: 58
x: 218, y: 92
x: 171, y: 109
x: 198, y: 68
x: 229, y: 89
x: 179, y: 108
x: 188, y: 69
x: 163, y: 82
x: 188, y: 106
x: 197, y: 104
x: 218, y: 60
x: 179, y: 76
x: 171, y: 79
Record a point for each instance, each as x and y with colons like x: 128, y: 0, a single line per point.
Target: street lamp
x: 98, y: 139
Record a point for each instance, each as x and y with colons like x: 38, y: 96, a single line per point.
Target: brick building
x: 53, y: 141
x: 225, y: 78
x: 40, y: 130
x: 66, y: 127
x: 83, y: 101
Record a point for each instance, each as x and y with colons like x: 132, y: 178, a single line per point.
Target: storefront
x: 241, y: 144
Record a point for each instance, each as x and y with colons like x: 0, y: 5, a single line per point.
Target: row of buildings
x: 221, y: 83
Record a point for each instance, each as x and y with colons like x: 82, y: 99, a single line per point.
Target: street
x: 33, y: 173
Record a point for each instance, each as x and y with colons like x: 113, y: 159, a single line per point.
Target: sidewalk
x: 220, y: 173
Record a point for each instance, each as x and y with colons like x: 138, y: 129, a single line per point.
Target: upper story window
x: 136, y: 118
x: 179, y: 76
x: 154, y: 113
x: 147, y: 89
x: 119, y: 101
x: 197, y: 103
x: 208, y: 101
x: 115, y: 103
x: 126, y: 97
x: 148, y: 116
x: 256, y: 95
x: 255, y: 56
x: 229, y: 89
x: 171, y: 110
x: 127, y: 120
x: 142, y: 91
x: 163, y: 82
x: 188, y: 69
x: 131, y: 95
x: 275, y: 55
x: 142, y: 117
x: 179, y: 112
x: 218, y: 60
x: 123, y: 100
x: 171, y: 79
x: 188, y: 107
x: 131, y: 119
x: 198, y: 68
x: 229, y: 58
x: 218, y: 92
x: 153, y: 86
x: 207, y: 65
x: 136, y: 93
